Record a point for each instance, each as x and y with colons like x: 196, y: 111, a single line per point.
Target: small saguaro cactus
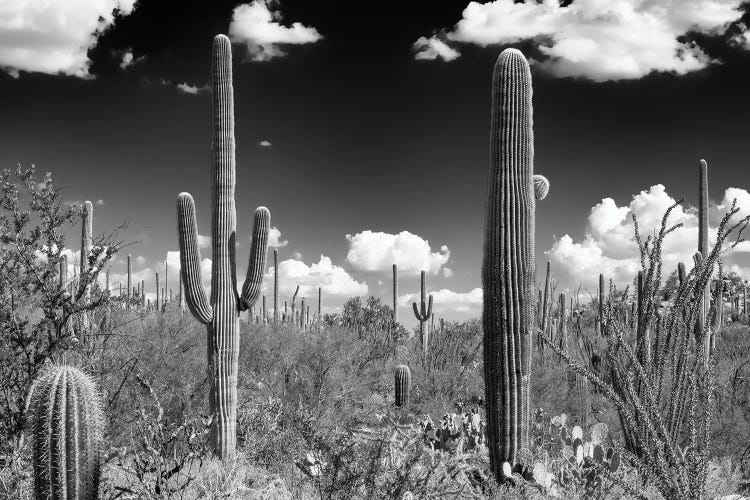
x: 402, y: 385
x: 508, y: 267
x: 158, y: 298
x: 221, y: 313
x: 423, y: 312
x: 67, y: 424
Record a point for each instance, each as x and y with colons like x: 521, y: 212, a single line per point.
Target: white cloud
x: 190, y: 89
x: 601, y: 39
x: 259, y: 27
x: 274, y: 238
x: 433, y: 48
x: 54, y: 36
x: 448, y: 301
x: 447, y: 272
x: 140, y: 260
x: 127, y: 59
x: 742, y: 39
x: 378, y: 251
x: 264, y: 144
x: 204, y: 241
x: 100, y: 202
x: 333, y: 279
x: 609, y: 245
x: 297, y: 255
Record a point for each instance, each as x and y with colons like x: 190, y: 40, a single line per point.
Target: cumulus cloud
x: 447, y: 272
x: 333, y: 279
x: 140, y: 260
x: 448, y: 300
x: 264, y: 144
x: 187, y: 88
x: 433, y: 48
x: 100, y: 202
x: 609, y: 246
x: 378, y: 251
x: 601, y: 40
x: 259, y: 26
x: 203, y: 241
x: 54, y: 37
x: 274, y: 238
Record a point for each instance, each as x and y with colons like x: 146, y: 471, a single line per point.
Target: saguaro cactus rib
x: 508, y: 268
x: 221, y: 315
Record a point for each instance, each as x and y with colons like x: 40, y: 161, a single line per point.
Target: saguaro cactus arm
x: 190, y: 258
x: 257, y: 260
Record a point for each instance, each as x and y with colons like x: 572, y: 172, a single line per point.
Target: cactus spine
x: 508, y: 268
x: 67, y: 428
x: 402, y: 385
x: 423, y: 312
x: 221, y: 313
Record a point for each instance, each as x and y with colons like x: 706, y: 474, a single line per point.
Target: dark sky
x: 363, y: 135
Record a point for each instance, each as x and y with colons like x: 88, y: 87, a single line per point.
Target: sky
x: 364, y: 128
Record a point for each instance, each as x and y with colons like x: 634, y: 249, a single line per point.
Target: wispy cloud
x: 191, y: 89
x: 264, y: 144
x: 434, y: 48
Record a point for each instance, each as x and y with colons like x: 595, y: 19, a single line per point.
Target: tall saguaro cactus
x: 67, y: 428
x: 508, y: 268
x: 423, y: 312
x: 221, y: 313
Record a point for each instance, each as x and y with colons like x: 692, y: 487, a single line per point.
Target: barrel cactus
x: 403, y: 385
x: 221, y: 314
x: 67, y: 424
x: 508, y: 268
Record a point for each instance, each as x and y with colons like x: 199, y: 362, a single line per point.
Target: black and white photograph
x: 313, y: 249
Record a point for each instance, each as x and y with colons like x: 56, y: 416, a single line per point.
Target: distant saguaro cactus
x: 423, y: 312
x: 87, y: 216
x: 158, y: 298
x: 130, y: 284
x: 601, y: 305
x: 703, y: 249
x: 395, y: 293
x: 402, y: 385
x: 221, y: 314
x: 275, y: 286
x: 508, y: 268
x: 67, y: 425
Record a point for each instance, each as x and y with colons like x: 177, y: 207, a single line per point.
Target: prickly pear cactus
x: 67, y: 426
